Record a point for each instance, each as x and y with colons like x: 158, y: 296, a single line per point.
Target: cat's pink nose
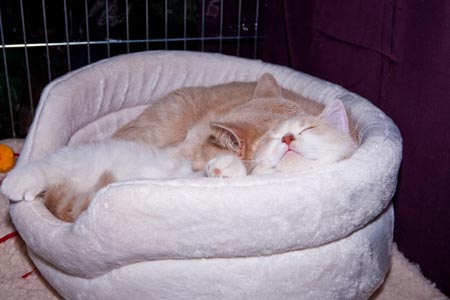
x: 287, y: 139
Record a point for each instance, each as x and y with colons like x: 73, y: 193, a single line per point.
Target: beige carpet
x: 19, y: 280
x: 405, y: 282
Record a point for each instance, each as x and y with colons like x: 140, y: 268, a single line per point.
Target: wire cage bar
x: 42, y: 40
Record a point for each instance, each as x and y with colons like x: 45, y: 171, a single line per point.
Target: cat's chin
x: 291, y: 153
x: 291, y: 161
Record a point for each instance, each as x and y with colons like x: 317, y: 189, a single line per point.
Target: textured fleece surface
x: 322, y: 234
x: 403, y: 281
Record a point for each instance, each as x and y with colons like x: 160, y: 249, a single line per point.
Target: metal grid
x: 42, y: 40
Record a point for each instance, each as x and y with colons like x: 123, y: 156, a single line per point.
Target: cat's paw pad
x: 225, y: 166
x: 23, y: 183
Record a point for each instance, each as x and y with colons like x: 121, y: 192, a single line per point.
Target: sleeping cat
x: 259, y: 134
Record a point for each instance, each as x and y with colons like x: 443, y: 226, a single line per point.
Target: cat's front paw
x: 225, y: 166
x: 23, y: 183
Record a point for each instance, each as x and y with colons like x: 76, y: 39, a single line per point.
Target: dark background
x: 397, y: 55
x: 203, y: 19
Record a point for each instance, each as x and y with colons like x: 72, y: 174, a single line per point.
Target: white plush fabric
x: 322, y: 234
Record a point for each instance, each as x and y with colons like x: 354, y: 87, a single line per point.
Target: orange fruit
x: 7, y: 158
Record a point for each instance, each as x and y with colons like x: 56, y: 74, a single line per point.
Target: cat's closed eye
x: 306, y: 129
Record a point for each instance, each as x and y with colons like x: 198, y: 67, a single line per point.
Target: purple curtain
x: 397, y: 55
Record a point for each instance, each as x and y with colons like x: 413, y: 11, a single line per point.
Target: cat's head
x: 270, y: 133
x: 306, y: 141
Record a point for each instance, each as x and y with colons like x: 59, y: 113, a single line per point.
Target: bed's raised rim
x: 370, y: 196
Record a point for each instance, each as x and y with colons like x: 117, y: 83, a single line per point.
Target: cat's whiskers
x: 263, y: 160
x: 250, y: 160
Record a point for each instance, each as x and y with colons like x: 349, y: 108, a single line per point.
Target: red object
x: 28, y: 274
x: 13, y: 235
x: 8, y: 236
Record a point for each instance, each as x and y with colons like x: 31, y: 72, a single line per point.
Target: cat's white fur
x: 317, y: 140
x: 225, y: 166
x: 260, y: 134
x: 83, y: 165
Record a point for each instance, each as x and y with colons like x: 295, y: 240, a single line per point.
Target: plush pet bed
x: 322, y: 234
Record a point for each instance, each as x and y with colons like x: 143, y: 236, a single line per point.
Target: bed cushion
x: 320, y: 234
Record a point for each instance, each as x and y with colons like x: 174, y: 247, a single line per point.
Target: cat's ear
x: 226, y: 135
x: 267, y: 87
x: 335, y: 114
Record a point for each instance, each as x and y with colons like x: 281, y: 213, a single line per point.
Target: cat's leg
x: 25, y: 182
x: 225, y: 166
x: 77, y: 166
x: 67, y: 180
